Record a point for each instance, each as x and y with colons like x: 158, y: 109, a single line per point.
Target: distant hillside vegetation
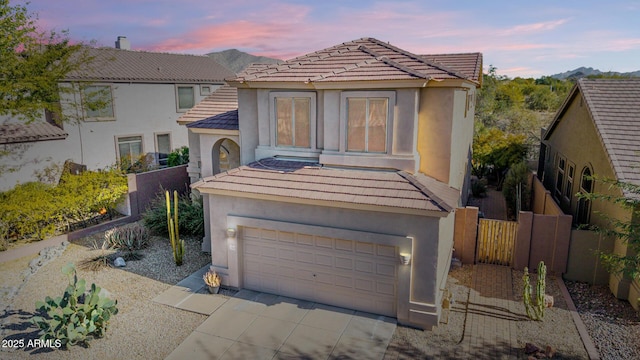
x: 236, y: 60
x: 588, y: 71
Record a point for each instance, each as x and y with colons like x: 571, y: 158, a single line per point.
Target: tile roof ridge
x: 388, y: 61
x: 102, y: 48
x: 419, y: 58
x: 302, y: 60
x: 420, y: 186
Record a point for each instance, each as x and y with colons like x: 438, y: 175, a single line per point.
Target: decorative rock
x: 548, y: 301
x: 550, y: 352
x: 530, y: 348
x: 119, y: 262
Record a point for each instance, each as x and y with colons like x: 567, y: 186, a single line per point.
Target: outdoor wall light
x: 405, y: 259
x: 231, y: 233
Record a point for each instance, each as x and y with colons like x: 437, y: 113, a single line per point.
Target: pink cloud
x: 623, y: 44
x: 535, y: 27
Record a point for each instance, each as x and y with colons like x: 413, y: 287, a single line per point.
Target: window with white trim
x: 293, y: 116
x: 583, y: 211
x: 561, y: 163
x: 205, y: 90
x: 97, y: 102
x: 368, y: 115
x: 185, y: 97
x: 129, y: 147
x: 163, y: 148
x: 568, y: 189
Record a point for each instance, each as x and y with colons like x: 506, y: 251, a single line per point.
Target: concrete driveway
x: 253, y: 325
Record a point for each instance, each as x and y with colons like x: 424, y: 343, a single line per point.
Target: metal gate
x: 496, y: 239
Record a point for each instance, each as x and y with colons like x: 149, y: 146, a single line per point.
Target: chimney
x: 123, y: 43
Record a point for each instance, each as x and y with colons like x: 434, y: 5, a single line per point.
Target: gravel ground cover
x: 613, y: 325
x: 141, y: 330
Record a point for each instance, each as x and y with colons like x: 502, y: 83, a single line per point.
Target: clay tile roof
x: 311, y: 181
x: 117, y: 65
x: 614, y: 105
x: 225, y: 121
x: 222, y: 100
x: 469, y: 64
x: 21, y: 133
x: 365, y: 59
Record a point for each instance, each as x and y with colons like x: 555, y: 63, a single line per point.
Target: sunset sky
x: 528, y: 39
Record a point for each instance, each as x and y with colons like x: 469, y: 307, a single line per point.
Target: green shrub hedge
x: 37, y: 210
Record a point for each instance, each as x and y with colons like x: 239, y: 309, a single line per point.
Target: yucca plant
x: 172, y: 222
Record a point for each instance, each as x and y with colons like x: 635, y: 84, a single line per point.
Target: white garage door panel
x: 339, y: 272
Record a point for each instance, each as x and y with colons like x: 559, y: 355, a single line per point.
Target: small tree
x: 33, y: 64
x: 495, y: 148
x: 628, y: 231
x: 516, y: 188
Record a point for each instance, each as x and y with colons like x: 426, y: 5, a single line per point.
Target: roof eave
x: 201, y: 186
x: 214, y: 131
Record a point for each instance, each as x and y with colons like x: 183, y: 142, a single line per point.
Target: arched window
x: 583, y: 210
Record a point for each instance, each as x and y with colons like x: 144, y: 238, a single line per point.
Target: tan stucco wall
x: 576, y: 138
x: 248, y: 124
x: 429, y: 263
x: 434, y: 132
x: 445, y: 134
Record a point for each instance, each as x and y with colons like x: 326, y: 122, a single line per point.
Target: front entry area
x: 346, y: 273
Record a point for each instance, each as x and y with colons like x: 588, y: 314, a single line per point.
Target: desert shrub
x: 130, y: 237
x: 76, y: 317
x: 79, y: 196
x: 517, y: 180
x: 190, y: 221
x: 178, y: 157
x: 28, y: 210
x: 37, y: 210
x: 479, y: 187
x: 101, y: 261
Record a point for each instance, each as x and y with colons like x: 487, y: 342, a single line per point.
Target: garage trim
x: 403, y: 242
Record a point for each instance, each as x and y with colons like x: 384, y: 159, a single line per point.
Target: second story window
x: 366, y: 118
x: 185, y: 97
x: 293, y: 115
x: 97, y: 102
x: 367, y: 124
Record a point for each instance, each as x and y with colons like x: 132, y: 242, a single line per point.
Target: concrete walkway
x: 253, y: 325
x: 493, y: 205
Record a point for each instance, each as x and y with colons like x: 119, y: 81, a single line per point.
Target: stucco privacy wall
x: 416, y: 304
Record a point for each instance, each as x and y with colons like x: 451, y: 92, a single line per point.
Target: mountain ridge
x: 589, y: 71
x: 236, y: 60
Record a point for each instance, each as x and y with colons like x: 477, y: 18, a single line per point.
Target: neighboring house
x: 353, y: 159
x: 141, y: 94
x: 595, y: 132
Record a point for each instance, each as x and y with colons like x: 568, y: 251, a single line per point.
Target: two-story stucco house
x: 595, y: 132
x: 353, y: 159
x: 143, y: 94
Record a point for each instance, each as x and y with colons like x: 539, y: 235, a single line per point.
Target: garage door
x: 346, y: 273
